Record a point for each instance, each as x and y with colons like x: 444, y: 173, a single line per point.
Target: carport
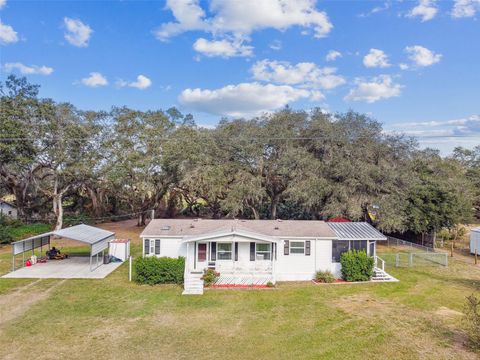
x: 98, y: 240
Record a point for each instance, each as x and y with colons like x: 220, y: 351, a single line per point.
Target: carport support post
x: 476, y: 257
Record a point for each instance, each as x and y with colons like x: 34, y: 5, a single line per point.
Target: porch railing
x: 378, y: 260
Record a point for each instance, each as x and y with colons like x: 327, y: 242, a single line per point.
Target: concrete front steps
x: 380, y: 275
x: 193, y: 284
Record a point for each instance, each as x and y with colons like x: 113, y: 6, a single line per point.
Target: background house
x: 8, y: 209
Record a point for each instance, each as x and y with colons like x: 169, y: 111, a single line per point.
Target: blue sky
x: 413, y: 65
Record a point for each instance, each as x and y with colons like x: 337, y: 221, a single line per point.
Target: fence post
x: 397, y: 259
x: 476, y: 257
x: 130, y: 268
x: 446, y: 259
x: 410, y: 260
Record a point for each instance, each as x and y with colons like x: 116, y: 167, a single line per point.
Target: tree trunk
x: 59, y: 223
x: 256, y: 214
x: 273, y: 206
x: 94, y: 200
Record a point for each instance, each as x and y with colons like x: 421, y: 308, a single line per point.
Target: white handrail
x: 382, y: 261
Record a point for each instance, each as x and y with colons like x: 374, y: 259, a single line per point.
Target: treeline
x: 56, y: 159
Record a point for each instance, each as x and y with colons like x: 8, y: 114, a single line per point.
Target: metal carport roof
x: 95, y: 237
x: 356, y: 231
x: 84, y: 233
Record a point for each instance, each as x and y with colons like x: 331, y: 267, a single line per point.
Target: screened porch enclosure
x: 342, y: 246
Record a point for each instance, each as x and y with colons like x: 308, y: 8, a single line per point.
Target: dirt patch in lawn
x: 430, y: 334
x: 18, y: 302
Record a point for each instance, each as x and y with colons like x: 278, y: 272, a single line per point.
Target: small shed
x: 120, y: 248
x: 475, y: 241
x: 8, y: 209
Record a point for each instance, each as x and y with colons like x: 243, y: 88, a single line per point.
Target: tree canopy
x: 292, y: 164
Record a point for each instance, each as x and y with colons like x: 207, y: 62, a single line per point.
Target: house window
x: 224, y: 251
x: 152, y: 246
x: 297, y: 247
x: 263, y: 251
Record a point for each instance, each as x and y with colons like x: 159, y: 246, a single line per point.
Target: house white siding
x: 8, y: 210
x: 298, y: 267
x: 169, y: 247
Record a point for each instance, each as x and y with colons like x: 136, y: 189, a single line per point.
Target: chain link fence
x: 401, y: 253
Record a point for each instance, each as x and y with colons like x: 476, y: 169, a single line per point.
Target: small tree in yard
x: 472, y: 321
x: 356, y: 265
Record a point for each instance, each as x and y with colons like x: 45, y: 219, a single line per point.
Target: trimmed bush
x: 356, y: 265
x: 324, y: 277
x: 164, y: 270
x: 210, y: 276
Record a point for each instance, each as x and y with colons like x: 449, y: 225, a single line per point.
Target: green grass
x: 113, y: 318
x: 26, y: 230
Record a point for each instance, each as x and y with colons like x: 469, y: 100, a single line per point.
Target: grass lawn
x: 417, y: 318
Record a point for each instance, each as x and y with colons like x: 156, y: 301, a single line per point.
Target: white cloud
x: 7, y: 34
x: 376, y: 58
x: 379, y: 87
x: 275, y: 45
x: 465, y: 8
x: 241, y: 18
x: 426, y: 9
x: 28, y: 70
x: 422, y: 56
x: 305, y: 74
x: 141, y: 83
x: 223, y: 48
x: 78, y: 33
x: 245, y: 99
x: 333, y: 55
x: 467, y: 126
x: 94, y: 80
x: 377, y: 9
x: 404, y: 66
x: 2, y: 3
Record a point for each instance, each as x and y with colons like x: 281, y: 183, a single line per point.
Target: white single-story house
x: 257, y: 251
x: 8, y: 209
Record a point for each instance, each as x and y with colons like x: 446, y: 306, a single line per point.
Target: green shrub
x: 5, y: 235
x: 324, y: 277
x: 472, y: 321
x: 356, y: 265
x: 164, y: 270
x: 210, y: 276
x: 270, y: 284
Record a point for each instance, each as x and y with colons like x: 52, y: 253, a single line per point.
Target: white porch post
x: 187, y: 262
x: 274, y: 251
x: 233, y: 257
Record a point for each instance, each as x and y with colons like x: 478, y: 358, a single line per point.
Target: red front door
x: 202, y: 252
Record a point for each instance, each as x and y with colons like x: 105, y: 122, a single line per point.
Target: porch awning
x: 238, y: 235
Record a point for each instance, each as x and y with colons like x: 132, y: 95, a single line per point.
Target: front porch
x: 240, y: 258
